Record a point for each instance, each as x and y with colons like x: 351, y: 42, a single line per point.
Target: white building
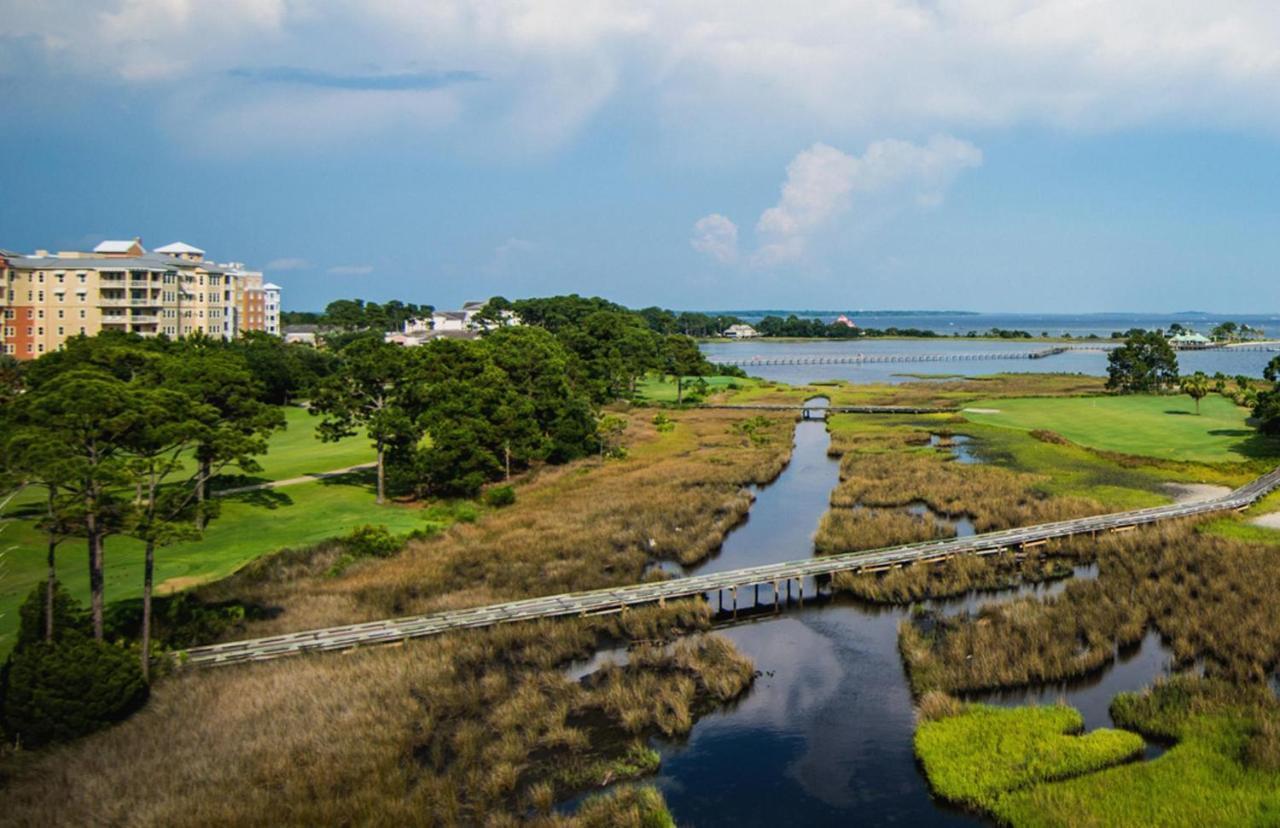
x: 740, y: 332
x: 271, y: 308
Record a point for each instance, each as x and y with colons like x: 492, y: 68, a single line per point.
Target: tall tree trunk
x: 148, y: 567
x: 95, y: 572
x: 382, y: 477
x: 51, y: 581
x: 49, y: 588
x: 506, y: 450
x: 202, y: 490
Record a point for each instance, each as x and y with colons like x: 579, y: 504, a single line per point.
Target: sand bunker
x: 1194, y: 492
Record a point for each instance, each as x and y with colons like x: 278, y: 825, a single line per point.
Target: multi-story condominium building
x: 172, y: 290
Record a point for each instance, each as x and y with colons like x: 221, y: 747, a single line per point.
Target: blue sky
x: 1003, y: 155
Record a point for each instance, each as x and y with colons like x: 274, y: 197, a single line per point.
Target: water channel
x: 824, y: 735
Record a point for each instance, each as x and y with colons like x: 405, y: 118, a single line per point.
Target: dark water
x: 1091, y: 362
x: 824, y: 736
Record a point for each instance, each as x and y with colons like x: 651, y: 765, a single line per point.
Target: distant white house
x: 457, y: 321
x: 846, y: 321
x: 740, y: 332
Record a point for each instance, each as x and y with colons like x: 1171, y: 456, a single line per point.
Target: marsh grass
x: 1211, y: 599
x: 962, y: 575
x: 474, y: 727
x: 1221, y: 771
x: 980, y: 753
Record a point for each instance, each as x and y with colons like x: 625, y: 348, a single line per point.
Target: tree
x: 1195, y: 386
x: 1272, y: 372
x: 681, y: 358
x: 366, y: 392
x: 1146, y: 363
x: 83, y: 418
x: 1224, y: 332
x: 172, y: 426
x: 1267, y: 413
x: 235, y: 420
x: 33, y: 462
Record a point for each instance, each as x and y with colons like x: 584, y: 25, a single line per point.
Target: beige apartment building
x: 47, y: 297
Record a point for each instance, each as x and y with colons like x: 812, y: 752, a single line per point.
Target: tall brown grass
x: 468, y: 728
x: 959, y: 576
x: 1211, y: 598
x: 994, y: 497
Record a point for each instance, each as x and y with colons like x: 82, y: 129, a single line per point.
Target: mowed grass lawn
x: 250, y: 525
x: 1165, y: 427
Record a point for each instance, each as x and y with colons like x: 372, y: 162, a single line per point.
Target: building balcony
x: 144, y: 319
x: 127, y: 302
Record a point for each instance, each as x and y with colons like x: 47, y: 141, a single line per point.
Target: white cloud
x: 717, y: 237
x: 351, y: 270
x: 848, y: 67
x: 288, y: 263
x: 823, y: 183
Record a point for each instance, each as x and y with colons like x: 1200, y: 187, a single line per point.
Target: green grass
x: 1164, y: 427
x: 663, y: 390
x: 250, y: 525
x: 1200, y: 781
x: 978, y: 756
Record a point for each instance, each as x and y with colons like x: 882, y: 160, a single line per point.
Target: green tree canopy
x: 1146, y: 363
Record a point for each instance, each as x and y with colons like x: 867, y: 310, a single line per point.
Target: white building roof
x: 271, y: 286
x: 176, y: 248
x: 115, y: 246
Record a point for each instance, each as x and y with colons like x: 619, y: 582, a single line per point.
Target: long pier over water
x: 774, y: 576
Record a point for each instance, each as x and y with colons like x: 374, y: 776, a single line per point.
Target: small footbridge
x: 818, y: 410
x: 772, y: 576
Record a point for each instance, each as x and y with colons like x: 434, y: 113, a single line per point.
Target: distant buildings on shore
x: 47, y: 298
x: 466, y: 323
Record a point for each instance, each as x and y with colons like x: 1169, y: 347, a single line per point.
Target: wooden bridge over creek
x: 772, y: 576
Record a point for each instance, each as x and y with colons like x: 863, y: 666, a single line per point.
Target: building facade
x: 118, y: 286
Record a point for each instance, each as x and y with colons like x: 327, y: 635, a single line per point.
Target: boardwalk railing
x: 603, y: 601
x: 859, y: 359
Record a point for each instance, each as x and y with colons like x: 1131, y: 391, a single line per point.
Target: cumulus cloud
x: 822, y: 184
x: 698, y: 65
x: 717, y: 237
x: 351, y: 270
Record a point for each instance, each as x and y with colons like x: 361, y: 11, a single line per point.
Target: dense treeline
x: 358, y: 315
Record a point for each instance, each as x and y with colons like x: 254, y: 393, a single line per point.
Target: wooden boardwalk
x: 863, y: 359
x: 604, y: 601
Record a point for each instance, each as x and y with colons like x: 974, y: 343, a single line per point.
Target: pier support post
x: 800, y: 582
x: 734, y: 591
x: 757, y: 602
x: 777, y: 597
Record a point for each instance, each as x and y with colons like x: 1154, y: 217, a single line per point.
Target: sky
x: 990, y: 155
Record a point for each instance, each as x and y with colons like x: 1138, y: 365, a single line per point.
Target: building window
x: 80, y: 276
x: 82, y: 331
x: 60, y: 331
x: 82, y: 313
x: 60, y: 313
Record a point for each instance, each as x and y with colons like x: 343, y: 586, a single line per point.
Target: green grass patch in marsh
x: 250, y: 525
x: 1236, y: 528
x: 1164, y: 427
x: 981, y: 754
x: 1221, y: 771
x: 655, y: 389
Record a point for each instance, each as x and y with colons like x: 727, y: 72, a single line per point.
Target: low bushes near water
x: 980, y: 753
x: 853, y: 530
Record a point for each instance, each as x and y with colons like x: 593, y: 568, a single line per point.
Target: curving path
x: 604, y: 601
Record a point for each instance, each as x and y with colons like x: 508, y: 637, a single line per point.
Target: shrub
x: 56, y: 691
x: 67, y: 615
x: 500, y: 496
x: 663, y: 423
x: 371, y: 542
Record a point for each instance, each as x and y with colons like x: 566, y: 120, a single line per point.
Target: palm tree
x: 1195, y: 386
